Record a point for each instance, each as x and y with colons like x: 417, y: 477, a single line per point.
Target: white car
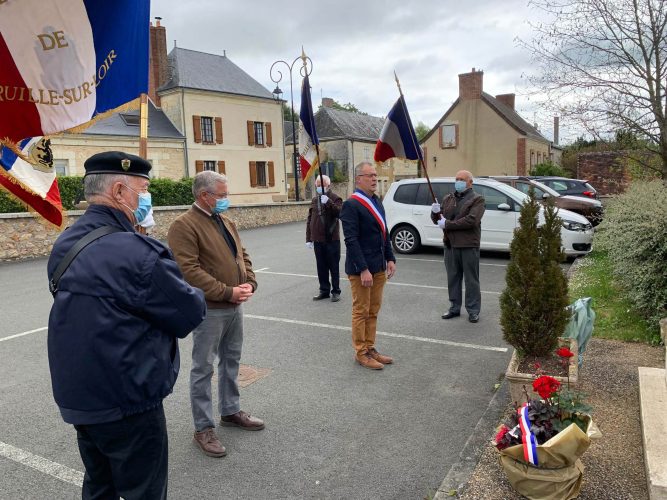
x: 408, y: 208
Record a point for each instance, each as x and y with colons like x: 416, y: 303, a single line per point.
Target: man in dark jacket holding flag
x: 118, y: 311
x: 369, y: 263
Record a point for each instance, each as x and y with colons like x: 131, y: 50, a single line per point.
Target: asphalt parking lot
x: 333, y: 428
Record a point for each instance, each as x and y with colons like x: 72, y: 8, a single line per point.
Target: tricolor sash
x: 370, y: 206
x: 527, y: 437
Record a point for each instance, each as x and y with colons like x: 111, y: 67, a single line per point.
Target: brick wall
x: 605, y: 170
x: 521, y: 156
x: 23, y: 236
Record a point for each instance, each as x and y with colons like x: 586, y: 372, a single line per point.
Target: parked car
x: 574, y: 187
x: 408, y: 208
x: 588, y: 207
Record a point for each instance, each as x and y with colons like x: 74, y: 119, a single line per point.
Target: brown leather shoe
x: 209, y: 443
x: 367, y: 361
x: 243, y: 420
x: 385, y: 360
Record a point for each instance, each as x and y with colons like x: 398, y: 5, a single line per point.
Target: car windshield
x: 547, y: 189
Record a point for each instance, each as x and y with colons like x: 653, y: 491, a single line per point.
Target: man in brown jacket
x: 207, y: 248
x: 460, y: 218
x: 323, y: 234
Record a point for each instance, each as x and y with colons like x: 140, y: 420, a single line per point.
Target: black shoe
x: 321, y: 296
x: 450, y: 315
x: 335, y: 297
x: 473, y: 318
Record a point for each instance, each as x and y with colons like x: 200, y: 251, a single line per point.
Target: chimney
x: 470, y: 85
x: 506, y: 99
x: 556, y: 129
x: 327, y: 102
x: 159, y: 67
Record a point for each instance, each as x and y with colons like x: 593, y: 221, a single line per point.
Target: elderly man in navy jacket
x: 369, y: 263
x: 118, y: 311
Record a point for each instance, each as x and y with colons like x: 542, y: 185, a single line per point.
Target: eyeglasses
x: 372, y: 176
x: 216, y: 195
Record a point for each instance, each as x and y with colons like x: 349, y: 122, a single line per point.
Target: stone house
x: 484, y: 134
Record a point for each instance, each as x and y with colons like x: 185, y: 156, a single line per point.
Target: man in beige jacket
x: 207, y: 248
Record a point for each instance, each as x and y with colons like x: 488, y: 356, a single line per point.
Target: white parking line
x: 24, y: 333
x: 41, y: 464
x: 385, y: 334
x: 394, y: 283
x: 440, y: 261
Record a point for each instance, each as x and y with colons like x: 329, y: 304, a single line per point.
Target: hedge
x: 164, y: 192
x: 634, y: 234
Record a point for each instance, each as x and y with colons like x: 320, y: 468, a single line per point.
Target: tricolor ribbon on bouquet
x: 527, y: 437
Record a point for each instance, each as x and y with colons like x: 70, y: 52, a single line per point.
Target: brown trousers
x: 366, y: 302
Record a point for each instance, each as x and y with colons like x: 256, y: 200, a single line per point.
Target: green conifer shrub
x: 532, y: 306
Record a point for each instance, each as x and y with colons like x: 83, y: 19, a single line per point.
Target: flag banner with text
x: 64, y: 62
x: 398, y: 138
x: 308, y: 159
x: 33, y: 182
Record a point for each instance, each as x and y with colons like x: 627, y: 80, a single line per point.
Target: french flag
x: 398, y: 138
x: 65, y: 61
x: 308, y: 159
x: 33, y: 182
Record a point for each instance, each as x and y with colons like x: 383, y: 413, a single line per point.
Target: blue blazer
x: 367, y: 247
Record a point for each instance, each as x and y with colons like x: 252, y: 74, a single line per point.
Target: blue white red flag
x: 308, y: 158
x: 33, y: 182
x: 398, y: 138
x: 65, y: 61
x: 527, y: 437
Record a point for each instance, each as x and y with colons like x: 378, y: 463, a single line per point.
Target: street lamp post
x: 276, y: 77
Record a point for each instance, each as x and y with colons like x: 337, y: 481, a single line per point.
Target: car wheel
x: 405, y: 239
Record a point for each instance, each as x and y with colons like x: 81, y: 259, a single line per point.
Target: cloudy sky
x: 356, y: 45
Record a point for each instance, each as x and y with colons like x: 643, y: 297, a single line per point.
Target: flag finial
x: 398, y: 83
x: 303, y: 56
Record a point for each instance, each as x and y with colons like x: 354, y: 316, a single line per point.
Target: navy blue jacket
x: 115, y: 320
x: 367, y: 247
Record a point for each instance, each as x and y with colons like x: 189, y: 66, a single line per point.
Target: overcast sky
x: 356, y: 45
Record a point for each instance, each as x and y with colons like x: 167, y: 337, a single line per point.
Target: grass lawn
x: 615, y: 316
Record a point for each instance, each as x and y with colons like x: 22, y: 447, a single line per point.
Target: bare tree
x: 603, y: 64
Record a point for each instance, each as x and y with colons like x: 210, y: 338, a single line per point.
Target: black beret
x: 117, y: 162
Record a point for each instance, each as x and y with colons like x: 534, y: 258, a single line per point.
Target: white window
x: 449, y: 136
x: 61, y: 167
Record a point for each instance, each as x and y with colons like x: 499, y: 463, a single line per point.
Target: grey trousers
x: 219, y: 335
x: 463, y: 263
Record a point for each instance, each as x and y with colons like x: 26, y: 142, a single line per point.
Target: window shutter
x: 442, y: 146
x: 456, y: 130
x: 221, y: 167
x: 269, y: 140
x: 196, y: 125
x: 218, y: 130
x: 272, y: 179
x: 251, y: 133
x: 253, y: 173
x: 199, y: 166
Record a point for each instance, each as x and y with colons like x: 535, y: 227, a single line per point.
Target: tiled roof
x: 202, y: 71
x: 158, y: 125
x: 332, y: 124
x: 505, y: 112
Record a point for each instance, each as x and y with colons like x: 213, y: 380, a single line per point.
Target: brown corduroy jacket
x: 205, y: 258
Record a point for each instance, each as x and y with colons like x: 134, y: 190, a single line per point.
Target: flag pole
x: 413, y: 138
x: 143, y: 126
x: 317, y: 145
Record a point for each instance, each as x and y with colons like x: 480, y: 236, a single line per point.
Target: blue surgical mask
x: 144, y: 206
x: 460, y: 186
x: 319, y: 190
x: 221, y: 205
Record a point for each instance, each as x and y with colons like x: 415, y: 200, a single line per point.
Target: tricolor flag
x: 62, y: 62
x: 398, y: 138
x: 33, y: 182
x: 308, y: 158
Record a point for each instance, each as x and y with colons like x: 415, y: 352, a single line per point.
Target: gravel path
x: 614, y: 464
